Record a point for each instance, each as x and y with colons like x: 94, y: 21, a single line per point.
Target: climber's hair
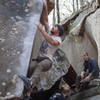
x: 61, y: 29
x: 65, y: 89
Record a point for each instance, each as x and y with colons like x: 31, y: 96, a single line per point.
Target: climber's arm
x: 44, y: 16
x: 47, y: 36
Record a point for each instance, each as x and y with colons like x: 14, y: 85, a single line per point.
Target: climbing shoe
x: 26, y: 82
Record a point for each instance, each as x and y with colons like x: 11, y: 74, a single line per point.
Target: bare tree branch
x: 54, y: 19
x: 77, y: 5
x: 73, y: 6
x: 58, y: 12
x: 50, y: 5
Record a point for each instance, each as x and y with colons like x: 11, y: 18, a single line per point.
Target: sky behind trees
x: 65, y: 10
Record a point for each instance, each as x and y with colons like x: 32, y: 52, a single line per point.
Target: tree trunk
x: 50, y: 5
x: 81, y: 3
x: 58, y: 12
x: 77, y: 4
x: 73, y: 6
x: 99, y: 2
x: 54, y: 19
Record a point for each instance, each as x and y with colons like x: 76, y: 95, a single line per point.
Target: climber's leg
x: 32, y: 67
x: 43, y: 66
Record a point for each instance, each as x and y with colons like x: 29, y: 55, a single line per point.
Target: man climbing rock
x: 64, y: 92
x: 91, y: 71
x: 47, y: 49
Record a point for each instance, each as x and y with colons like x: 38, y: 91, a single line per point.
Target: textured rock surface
x: 86, y: 94
x: 17, y: 30
x: 92, y: 28
x: 94, y: 98
x: 90, y: 38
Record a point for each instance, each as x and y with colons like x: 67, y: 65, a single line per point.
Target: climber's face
x: 85, y: 57
x: 55, y: 30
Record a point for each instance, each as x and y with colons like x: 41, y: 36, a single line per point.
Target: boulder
x: 17, y: 31
x: 93, y: 30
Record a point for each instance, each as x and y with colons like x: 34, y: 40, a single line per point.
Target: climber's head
x: 65, y: 90
x: 85, y: 56
x: 57, y: 30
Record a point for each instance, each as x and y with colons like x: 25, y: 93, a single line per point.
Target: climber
x: 90, y: 72
x: 44, y: 16
x: 64, y: 92
x: 44, y: 60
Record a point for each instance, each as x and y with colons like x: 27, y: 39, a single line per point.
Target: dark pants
x: 82, y: 85
x: 43, y: 65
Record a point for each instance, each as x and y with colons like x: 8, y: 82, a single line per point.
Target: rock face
x: 76, y: 43
x: 17, y: 31
x: 93, y: 30
x: 94, y: 98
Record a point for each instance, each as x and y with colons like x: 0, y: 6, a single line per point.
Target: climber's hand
x: 39, y: 25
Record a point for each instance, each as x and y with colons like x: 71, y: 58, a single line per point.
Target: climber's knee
x: 45, y: 65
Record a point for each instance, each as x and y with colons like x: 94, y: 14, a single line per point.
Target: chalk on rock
x: 8, y: 93
x: 18, y: 52
x: 8, y: 70
x: 14, y: 78
x: 3, y: 84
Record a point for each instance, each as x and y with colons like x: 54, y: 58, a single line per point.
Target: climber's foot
x: 26, y: 81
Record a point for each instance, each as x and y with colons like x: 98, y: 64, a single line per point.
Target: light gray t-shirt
x: 47, y: 49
